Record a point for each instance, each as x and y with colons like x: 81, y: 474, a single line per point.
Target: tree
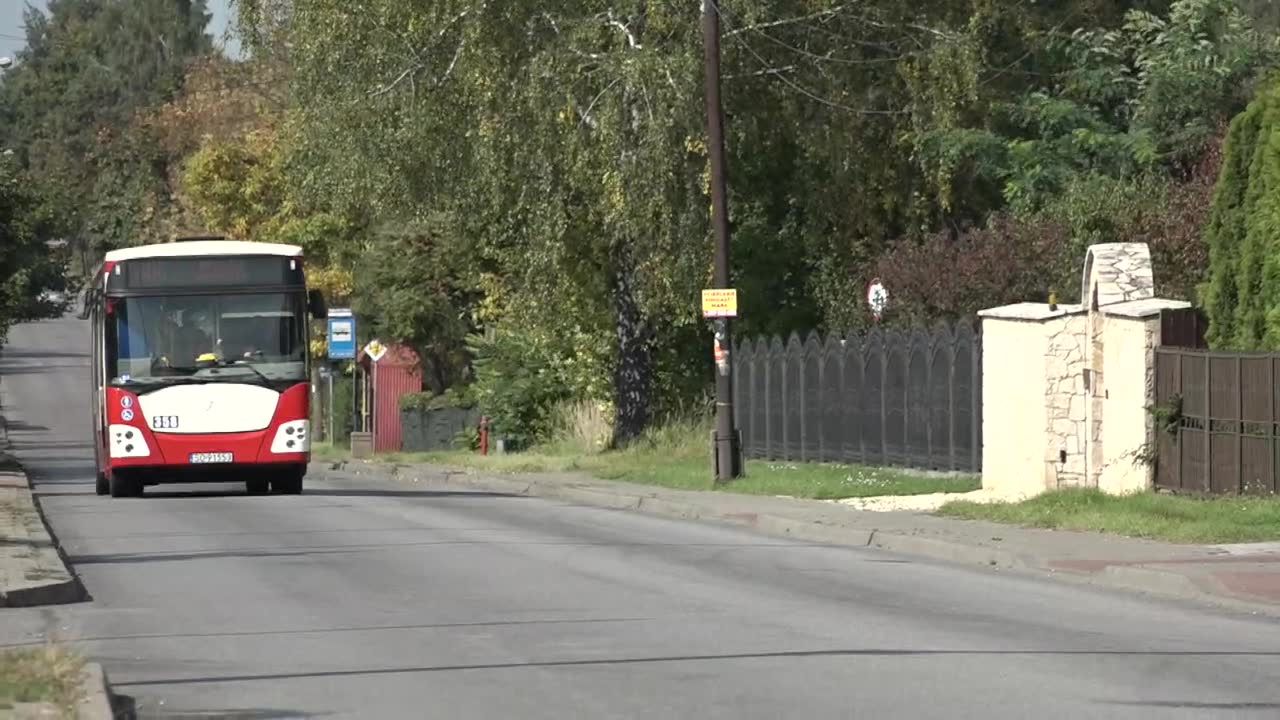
x: 1242, y: 296
x: 1120, y: 146
x: 545, y: 165
x: 69, y: 104
x: 551, y: 129
x: 238, y: 187
x: 28, y: 268
x: 1147, y: 97
x: 412, y: 284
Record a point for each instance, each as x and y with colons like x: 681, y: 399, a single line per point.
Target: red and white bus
x: 201, y: 369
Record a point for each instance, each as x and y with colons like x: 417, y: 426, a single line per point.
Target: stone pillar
x: 1114, y: 273
x: 1033, y: 413
x: 1132, y: 333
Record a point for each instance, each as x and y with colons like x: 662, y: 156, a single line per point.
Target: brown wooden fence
x: 1184, y: 328
x: 1217, y: 422
x: 885, y: 398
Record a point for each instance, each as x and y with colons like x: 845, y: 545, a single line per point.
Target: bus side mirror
x: 315, y: 300
x: 86, y: 305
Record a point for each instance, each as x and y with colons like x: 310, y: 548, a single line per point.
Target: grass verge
x: 49, y: 674
x: 1144, y: 515
x: 328, y: 451
x: 673, y: 457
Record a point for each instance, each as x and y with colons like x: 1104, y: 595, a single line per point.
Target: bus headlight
x: 127, y: 442
x: 292, y: 437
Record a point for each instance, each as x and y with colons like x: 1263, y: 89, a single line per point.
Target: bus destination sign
x: 147, y: 274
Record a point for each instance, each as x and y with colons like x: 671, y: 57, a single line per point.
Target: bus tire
x: 257, y: 486
x: 288, y: 483
x: 123, y: 486
x: 101, y: 485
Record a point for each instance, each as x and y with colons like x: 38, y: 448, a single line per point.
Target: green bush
x: 468, y: 439
x: 454, y: 397
x: 342, y: 408
x: 518, y: 385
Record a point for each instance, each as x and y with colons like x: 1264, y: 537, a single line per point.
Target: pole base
x: 361, y: 445
x: 732, y: 448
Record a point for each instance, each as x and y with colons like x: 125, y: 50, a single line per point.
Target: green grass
x: 42, y: 675
x: 1145, y: 515
x: 678, y: 456
x: 327, y: 451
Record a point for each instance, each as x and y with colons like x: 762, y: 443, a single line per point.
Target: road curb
x: 946, y: 550
x: 95, y: 701
x: 1162, y: 583
x: 1147, y: 579
x: 774, y: 525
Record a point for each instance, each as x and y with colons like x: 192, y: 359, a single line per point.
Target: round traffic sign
x: 877, y: 297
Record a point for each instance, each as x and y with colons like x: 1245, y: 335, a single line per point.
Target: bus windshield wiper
x: 246, y: 366
x: 214, y: 371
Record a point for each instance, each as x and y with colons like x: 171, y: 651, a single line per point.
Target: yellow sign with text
x: 720, y: 303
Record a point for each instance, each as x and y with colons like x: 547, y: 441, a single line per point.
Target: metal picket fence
x: 911, y: 399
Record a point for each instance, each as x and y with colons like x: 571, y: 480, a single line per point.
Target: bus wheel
x: 256, y: 486
x: 288, y: 483
x: 101, y: 486
x: 123, y: 486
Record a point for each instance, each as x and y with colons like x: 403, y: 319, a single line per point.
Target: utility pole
x: 727, y: 452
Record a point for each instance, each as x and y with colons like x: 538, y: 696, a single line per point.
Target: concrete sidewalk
x: 1241, y: 577
x: 31, y: 569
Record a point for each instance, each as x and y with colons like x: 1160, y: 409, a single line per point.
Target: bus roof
x: 203, y: 248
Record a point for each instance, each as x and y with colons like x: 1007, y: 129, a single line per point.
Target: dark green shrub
x: 518, y: 385
x: 1242, y: 296
x: 454, y: 397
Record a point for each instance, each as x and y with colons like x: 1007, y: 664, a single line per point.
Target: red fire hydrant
x: 484, y: 434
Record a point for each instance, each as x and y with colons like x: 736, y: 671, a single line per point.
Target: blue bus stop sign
x: 342, y: 334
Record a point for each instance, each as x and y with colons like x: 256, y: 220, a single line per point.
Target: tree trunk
x: 434, y: 374
x: 633, y: 373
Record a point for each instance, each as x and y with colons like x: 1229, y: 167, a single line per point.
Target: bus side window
x: 109, y: 346
x: 95, y: 357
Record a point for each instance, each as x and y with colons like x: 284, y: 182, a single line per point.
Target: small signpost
x: 877, y: 298
x: 717, y: 305
x: 375, y: 350
x: 720, y: 303
x: 342, y: 334
x: 340, y: 342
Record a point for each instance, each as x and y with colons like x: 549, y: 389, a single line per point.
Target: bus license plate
x: 204, y: 458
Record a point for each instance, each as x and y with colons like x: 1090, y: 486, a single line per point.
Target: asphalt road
x: 382, y: 601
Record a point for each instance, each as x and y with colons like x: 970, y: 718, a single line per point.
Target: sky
x: 12, y: 34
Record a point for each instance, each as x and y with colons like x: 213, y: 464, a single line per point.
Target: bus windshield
x: 206, y: 338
